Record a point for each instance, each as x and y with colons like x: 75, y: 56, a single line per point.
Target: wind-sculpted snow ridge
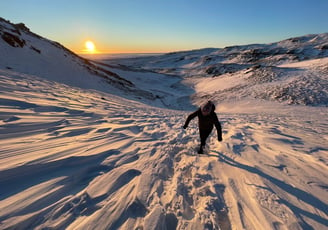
x: 72, y: 158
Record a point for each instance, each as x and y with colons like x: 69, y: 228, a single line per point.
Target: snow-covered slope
x: 215, y: 62
x: 80, y: 159
x: 250, y: 71
x: 303, y: 83
x: 25, y: 52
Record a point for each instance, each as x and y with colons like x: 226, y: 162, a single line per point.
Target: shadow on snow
x: 298, y: 193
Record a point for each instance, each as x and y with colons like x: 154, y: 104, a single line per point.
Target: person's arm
x: 217, y: 126
x: 190, y: 117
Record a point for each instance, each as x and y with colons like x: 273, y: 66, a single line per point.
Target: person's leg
x: 203, y: 136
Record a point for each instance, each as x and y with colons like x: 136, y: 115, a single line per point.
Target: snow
x: 52, y: 63
x: 168, y: 91
x: 75, y: 156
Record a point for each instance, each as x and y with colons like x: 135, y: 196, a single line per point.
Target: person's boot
x: 200, y: 151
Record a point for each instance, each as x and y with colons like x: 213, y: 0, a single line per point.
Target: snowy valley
x: 91, y: 144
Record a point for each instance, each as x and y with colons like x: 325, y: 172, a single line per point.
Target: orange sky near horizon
x: 104, y: 48
x: 156, y: 26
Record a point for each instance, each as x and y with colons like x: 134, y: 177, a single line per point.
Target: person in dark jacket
x: 206, y: 119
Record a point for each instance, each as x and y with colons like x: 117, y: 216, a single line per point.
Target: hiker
x: 206, y: 119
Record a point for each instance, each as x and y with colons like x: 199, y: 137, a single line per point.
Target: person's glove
x: 220, y: 139
x: 184, y: 127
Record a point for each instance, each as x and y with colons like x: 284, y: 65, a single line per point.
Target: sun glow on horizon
x: 90, y: 47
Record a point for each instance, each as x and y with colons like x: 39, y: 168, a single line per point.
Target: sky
x: 156, y: 26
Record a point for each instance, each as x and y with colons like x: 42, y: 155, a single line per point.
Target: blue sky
x: 117, y: 26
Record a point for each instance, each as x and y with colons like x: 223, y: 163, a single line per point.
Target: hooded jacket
x: 206, y: 122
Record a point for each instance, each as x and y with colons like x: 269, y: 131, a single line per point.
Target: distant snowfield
x: 74, y: 158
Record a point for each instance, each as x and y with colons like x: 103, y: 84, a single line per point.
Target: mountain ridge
x: 43, y: 57
x: 260, y: 60
x: 257, y: 67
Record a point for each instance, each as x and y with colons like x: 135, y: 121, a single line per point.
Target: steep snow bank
x: 80, y: 159
x: 29, y: 53
x: 25, y: 52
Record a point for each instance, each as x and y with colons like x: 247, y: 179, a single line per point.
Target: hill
x: 26, y: 52
x: 281, y: 71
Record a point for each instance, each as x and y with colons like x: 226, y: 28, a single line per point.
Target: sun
x: 90, y: 47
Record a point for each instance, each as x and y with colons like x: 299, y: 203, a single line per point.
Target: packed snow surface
x: 81, y: 159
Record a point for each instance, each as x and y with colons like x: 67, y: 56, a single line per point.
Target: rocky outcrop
x: 12, y: 40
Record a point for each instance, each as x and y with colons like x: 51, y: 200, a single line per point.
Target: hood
x: 207, y: 108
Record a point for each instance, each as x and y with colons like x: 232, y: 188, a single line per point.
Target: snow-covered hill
x: 76, y: 153
x: 80, y: 159
x: 215, y: 62
x: 252, y: 71
x: 25, y: 52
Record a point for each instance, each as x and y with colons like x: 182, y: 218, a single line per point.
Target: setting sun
x: 90, y: 47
